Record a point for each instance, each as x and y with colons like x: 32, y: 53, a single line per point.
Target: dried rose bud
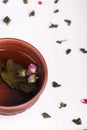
x: 84, y: 101
x: 21, y: 73
x: 32, y: 68
x: 32, y: 78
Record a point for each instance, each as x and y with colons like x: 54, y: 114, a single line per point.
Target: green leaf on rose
x: 9, y: 75
x: 13, y: 67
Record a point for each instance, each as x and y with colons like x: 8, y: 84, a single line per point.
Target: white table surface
x: 68, y: 70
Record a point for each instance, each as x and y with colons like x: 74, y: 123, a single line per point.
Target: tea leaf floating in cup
x: 18, y: 77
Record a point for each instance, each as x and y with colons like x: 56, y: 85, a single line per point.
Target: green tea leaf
x: 46, y: 115
x: 25, y: 1
x: 19, y: 83
x: 55, y: 84
x: 5, y: 1
x: 8, y: 78
x: 11, y: 79
x: 62, y: 105
x: 8, y: 74
x: 77, y: 121
x: 6, y: 20
x: 13, y: 67
x: 10, y: 66
x: 18, y: 67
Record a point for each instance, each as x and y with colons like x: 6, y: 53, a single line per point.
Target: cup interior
x: 21, y: 53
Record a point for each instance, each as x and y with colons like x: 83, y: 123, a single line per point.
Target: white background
x: 68, y: 70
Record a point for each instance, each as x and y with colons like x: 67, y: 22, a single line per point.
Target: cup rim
x: 23, y: 105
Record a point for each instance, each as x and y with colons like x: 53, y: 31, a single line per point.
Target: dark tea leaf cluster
x: 32, y: 13
x: 68, y: 51
x: 53, y: 25
x: 77, y: 121
x: 5, y: 1
x: 46, y: 115
x: 62, y: 104
x: 56, y: 1
x: 55, y: 84
x: 7, y: 20
x: 83, y: 50
x: 68, y: 22
x: 25, y: 1
x: 18, y: 77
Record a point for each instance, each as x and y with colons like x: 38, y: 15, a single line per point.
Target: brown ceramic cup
x: 12, y: 101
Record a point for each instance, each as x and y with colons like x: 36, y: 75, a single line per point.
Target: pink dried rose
x: 32, y: 68
x: 31, y: 73
x: 84, y: 101
x: 32, y: 78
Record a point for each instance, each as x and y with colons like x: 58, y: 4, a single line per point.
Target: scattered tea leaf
x: 77, y: 121
x: 83, y: 50
x: 60, y: 41
x: 5, y: 1
x: 55, y: 84
x: 46, y: 115
x: 7, y: 20
x: 56, y: 11
x: 68, y: 22
x: 56, y: 1
x: 62, y: 105
x: 32, y: 13
x: 53, y: 25
x: 68, y: 51
x: 25, y: 1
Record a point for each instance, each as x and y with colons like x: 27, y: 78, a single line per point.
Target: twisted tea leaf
x: 10, y: 66
x: 5, y: 1
x: 32, y: 13
x: 62, y: 105
x: 77, y: 121
x: 53, y: 25
x: 55, y: 84
x: 46, y: 115
x: 25, y: 1
x: 7, y: 20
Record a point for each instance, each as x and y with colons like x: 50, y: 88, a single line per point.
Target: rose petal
x: 39, y: 2
x: 32, y: 78
x: 32, y: 68
x: 84, y: 101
